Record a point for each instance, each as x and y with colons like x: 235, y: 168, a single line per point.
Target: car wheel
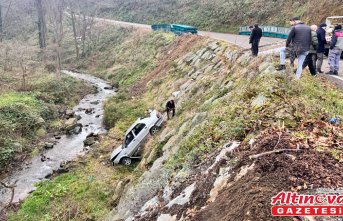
x: 154, y: 130
x: 126, y: 161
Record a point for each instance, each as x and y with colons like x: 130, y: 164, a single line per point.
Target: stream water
x: 67, y: 148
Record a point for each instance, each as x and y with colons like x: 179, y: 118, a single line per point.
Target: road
x: 240, y: 40
x: 267, y: 45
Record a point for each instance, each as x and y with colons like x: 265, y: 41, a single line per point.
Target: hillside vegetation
x: 225, y: 97
x: 219, y: 15
x: 32, y: 99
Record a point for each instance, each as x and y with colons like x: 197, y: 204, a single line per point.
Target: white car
x: 135, y: 136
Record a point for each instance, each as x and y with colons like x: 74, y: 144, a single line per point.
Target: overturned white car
x: 135, y: 136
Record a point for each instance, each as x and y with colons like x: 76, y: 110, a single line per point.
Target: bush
x: 20, y: 116
x: 57, y: 92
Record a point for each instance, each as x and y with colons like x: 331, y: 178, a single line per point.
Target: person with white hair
x: 311, y: 58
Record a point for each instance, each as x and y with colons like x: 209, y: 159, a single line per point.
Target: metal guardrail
x: 268, y: 31
x: 175, y: 28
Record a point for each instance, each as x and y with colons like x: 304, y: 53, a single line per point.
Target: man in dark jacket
x: 321, y: 46
x: 300, y: 36
x: 255, y: 37
x: 170, y: 107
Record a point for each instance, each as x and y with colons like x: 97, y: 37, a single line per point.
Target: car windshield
x: 129, y: 137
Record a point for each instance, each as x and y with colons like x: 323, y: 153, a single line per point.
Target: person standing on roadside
x: 255, y: 37
x: 321, y: 46
x: 310, y: 59
x: 284, y: 51
x: 300, y: 36
x: 336, y: 48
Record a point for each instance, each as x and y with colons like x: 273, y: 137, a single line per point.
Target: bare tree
x: 56, y: 12
x: 74, y: 9
x: 1, y: 31
x: 41, y: 23
x: 23, y: 73
x: 73, y: 22
x: 83, y: 34
x: 7, y: 59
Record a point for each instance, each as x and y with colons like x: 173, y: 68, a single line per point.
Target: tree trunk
x: 23, y: 71
x: 6, y: 63
x: 41, y: 24
x: 83, y: 37
x: 59, y: 35
x: 1, y: 31
x: 73, y: 18
x: 59, y: 65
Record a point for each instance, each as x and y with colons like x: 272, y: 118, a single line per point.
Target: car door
x: 141, y: 131
x: 130, y: 143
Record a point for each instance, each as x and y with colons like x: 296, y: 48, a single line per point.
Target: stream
x: 66, y: 149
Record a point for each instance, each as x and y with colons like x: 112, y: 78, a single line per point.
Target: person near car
x: 300, y: 35
x: 311, y: 57
x: 287, y: 50
x: 336, y: 48
x: 254, y: 40
x: 321, y: 32
x: 170, y: 108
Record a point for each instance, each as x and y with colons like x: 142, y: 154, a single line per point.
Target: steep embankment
x: 204, y: 164
x: 218, y: 15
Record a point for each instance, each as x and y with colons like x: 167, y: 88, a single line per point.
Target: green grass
x: 23, y: 98
x: 122, y: 113
x: 67, y: 196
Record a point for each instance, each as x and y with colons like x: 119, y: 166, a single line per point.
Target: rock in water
x: 91, y: 139
x: 89, y: 110
x: 77, y: 129
x: 48, y: 145
x: 70, y: 124
x: 95, y: 102
x: 69, y: 114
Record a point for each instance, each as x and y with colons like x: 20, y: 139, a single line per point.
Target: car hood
x: 116, y: 152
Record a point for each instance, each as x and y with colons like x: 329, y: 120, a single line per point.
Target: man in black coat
x: 170, y: 107
x: 255, y: 37
x: 321, y: 46
x: 301, y: 37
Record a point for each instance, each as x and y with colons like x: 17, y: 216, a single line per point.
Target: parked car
x: 135, y: 136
